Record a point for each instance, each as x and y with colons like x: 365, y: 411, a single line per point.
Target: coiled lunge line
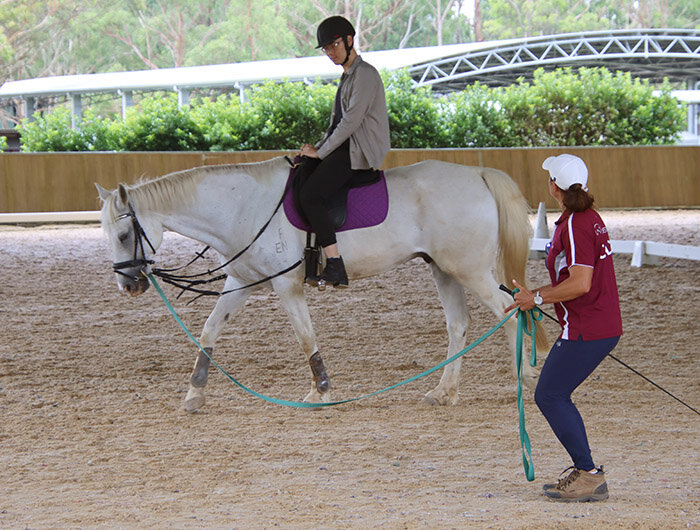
x: 526, y: 321
x: 523, y: 321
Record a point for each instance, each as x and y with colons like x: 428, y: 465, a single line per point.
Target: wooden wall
x: 666, y: 176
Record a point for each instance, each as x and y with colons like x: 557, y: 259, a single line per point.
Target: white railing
x: 643, y: 252
x: 49, y: 217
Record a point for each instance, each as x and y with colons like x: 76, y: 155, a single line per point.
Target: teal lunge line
x: 525, y: 318
x: 522, y: 328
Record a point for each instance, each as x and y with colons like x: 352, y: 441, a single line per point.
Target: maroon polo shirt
x: 581, y: 238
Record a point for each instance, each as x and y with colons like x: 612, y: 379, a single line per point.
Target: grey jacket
x: 364, y: 120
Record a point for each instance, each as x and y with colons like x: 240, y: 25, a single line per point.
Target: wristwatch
x: 538, y: 298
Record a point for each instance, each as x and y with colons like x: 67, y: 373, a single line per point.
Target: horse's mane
x: 165, y: 193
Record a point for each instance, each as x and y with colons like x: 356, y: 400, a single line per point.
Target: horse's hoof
x: 194, y: 404
x: 430, y: 400
x: 531, y: 382
x: 312, y: 280
x: 435, y: 399
x: 194, y: 401
x: 439, y: 399
x: 313, y: 397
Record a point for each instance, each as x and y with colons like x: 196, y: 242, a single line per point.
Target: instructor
x: 585, y: 298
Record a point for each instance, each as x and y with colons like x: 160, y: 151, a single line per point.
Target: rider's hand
x: 309, y: 150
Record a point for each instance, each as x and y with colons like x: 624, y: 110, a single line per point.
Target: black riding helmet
x: 333, y: 28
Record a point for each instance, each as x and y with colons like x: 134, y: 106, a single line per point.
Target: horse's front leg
x: 291, y: 293
x: 226, y: 307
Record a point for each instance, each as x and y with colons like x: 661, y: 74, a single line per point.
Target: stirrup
x: 312, y: 255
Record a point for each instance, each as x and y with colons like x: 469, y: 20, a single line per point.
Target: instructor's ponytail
x: 576, y: 199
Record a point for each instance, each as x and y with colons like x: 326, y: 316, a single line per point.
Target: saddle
x: 364, y: 202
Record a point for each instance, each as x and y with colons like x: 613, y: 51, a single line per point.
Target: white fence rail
x: 49, y: 217
x: 643, y: 252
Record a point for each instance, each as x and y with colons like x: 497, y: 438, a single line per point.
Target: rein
x: 165, y: 275
x: 188, y: 282
x: 522, y: 330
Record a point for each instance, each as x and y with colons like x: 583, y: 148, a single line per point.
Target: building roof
x: 652, y: 54
x: 223, y: 75
x: 647, y: 53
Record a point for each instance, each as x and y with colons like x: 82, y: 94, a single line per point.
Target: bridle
x: 187, y: 283
x: 139, y: 237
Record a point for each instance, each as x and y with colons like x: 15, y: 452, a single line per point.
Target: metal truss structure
x: 653, y: 54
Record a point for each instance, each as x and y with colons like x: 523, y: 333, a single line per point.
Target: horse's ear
x: 123, y: 195
x: 103, y: 193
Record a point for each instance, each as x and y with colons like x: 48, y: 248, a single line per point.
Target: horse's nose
x: 133, y: 288
x: 136, y: 287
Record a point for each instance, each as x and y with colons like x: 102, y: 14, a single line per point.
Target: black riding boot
x: 334, y: 274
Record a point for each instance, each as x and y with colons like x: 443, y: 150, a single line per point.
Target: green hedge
x: 589, y: 106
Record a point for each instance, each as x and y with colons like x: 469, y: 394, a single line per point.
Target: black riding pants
x: 331, y: 174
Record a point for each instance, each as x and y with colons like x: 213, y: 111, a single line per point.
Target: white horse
x: 469, y: 223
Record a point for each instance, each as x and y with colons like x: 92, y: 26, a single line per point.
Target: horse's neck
x: 228, y: 210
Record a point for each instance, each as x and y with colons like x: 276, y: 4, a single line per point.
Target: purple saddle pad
x: 367, y: 206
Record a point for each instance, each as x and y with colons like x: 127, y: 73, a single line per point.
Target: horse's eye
x: 123, y: 237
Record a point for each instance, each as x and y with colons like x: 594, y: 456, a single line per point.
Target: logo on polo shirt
x: 600, y: 230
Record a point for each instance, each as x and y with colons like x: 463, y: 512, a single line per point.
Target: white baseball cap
x: 566, y: 170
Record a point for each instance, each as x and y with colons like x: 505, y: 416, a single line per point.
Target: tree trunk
x: 478, y: 33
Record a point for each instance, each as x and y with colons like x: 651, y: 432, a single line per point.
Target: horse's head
x: 128, y: 236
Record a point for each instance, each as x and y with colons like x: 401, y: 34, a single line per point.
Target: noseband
x: 139, y: 236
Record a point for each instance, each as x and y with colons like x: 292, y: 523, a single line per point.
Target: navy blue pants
x: 569, y: 363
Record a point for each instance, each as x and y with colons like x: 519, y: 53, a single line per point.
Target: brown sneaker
x: 578, y: 486
x: 552, y: 485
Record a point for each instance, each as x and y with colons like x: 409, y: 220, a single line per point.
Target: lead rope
x: 522, y: 329
x: 526, y: 321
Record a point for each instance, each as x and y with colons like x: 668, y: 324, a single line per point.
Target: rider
x: 357, y: 139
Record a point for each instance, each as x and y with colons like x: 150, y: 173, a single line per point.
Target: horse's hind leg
x: 226, y: 307
x: 486, y: 289
x: 454, y: 303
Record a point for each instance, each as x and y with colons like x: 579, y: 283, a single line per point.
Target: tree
x: 257, y: 30
x: 664, y: 14
x: 376, y: 22
x: 439, y: 13
x: 25, y: 29
x: 505, y: 19
x: 160, y: 33
x: 478, y: 22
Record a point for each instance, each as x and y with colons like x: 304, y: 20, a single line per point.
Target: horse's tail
x: 514, y: 231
